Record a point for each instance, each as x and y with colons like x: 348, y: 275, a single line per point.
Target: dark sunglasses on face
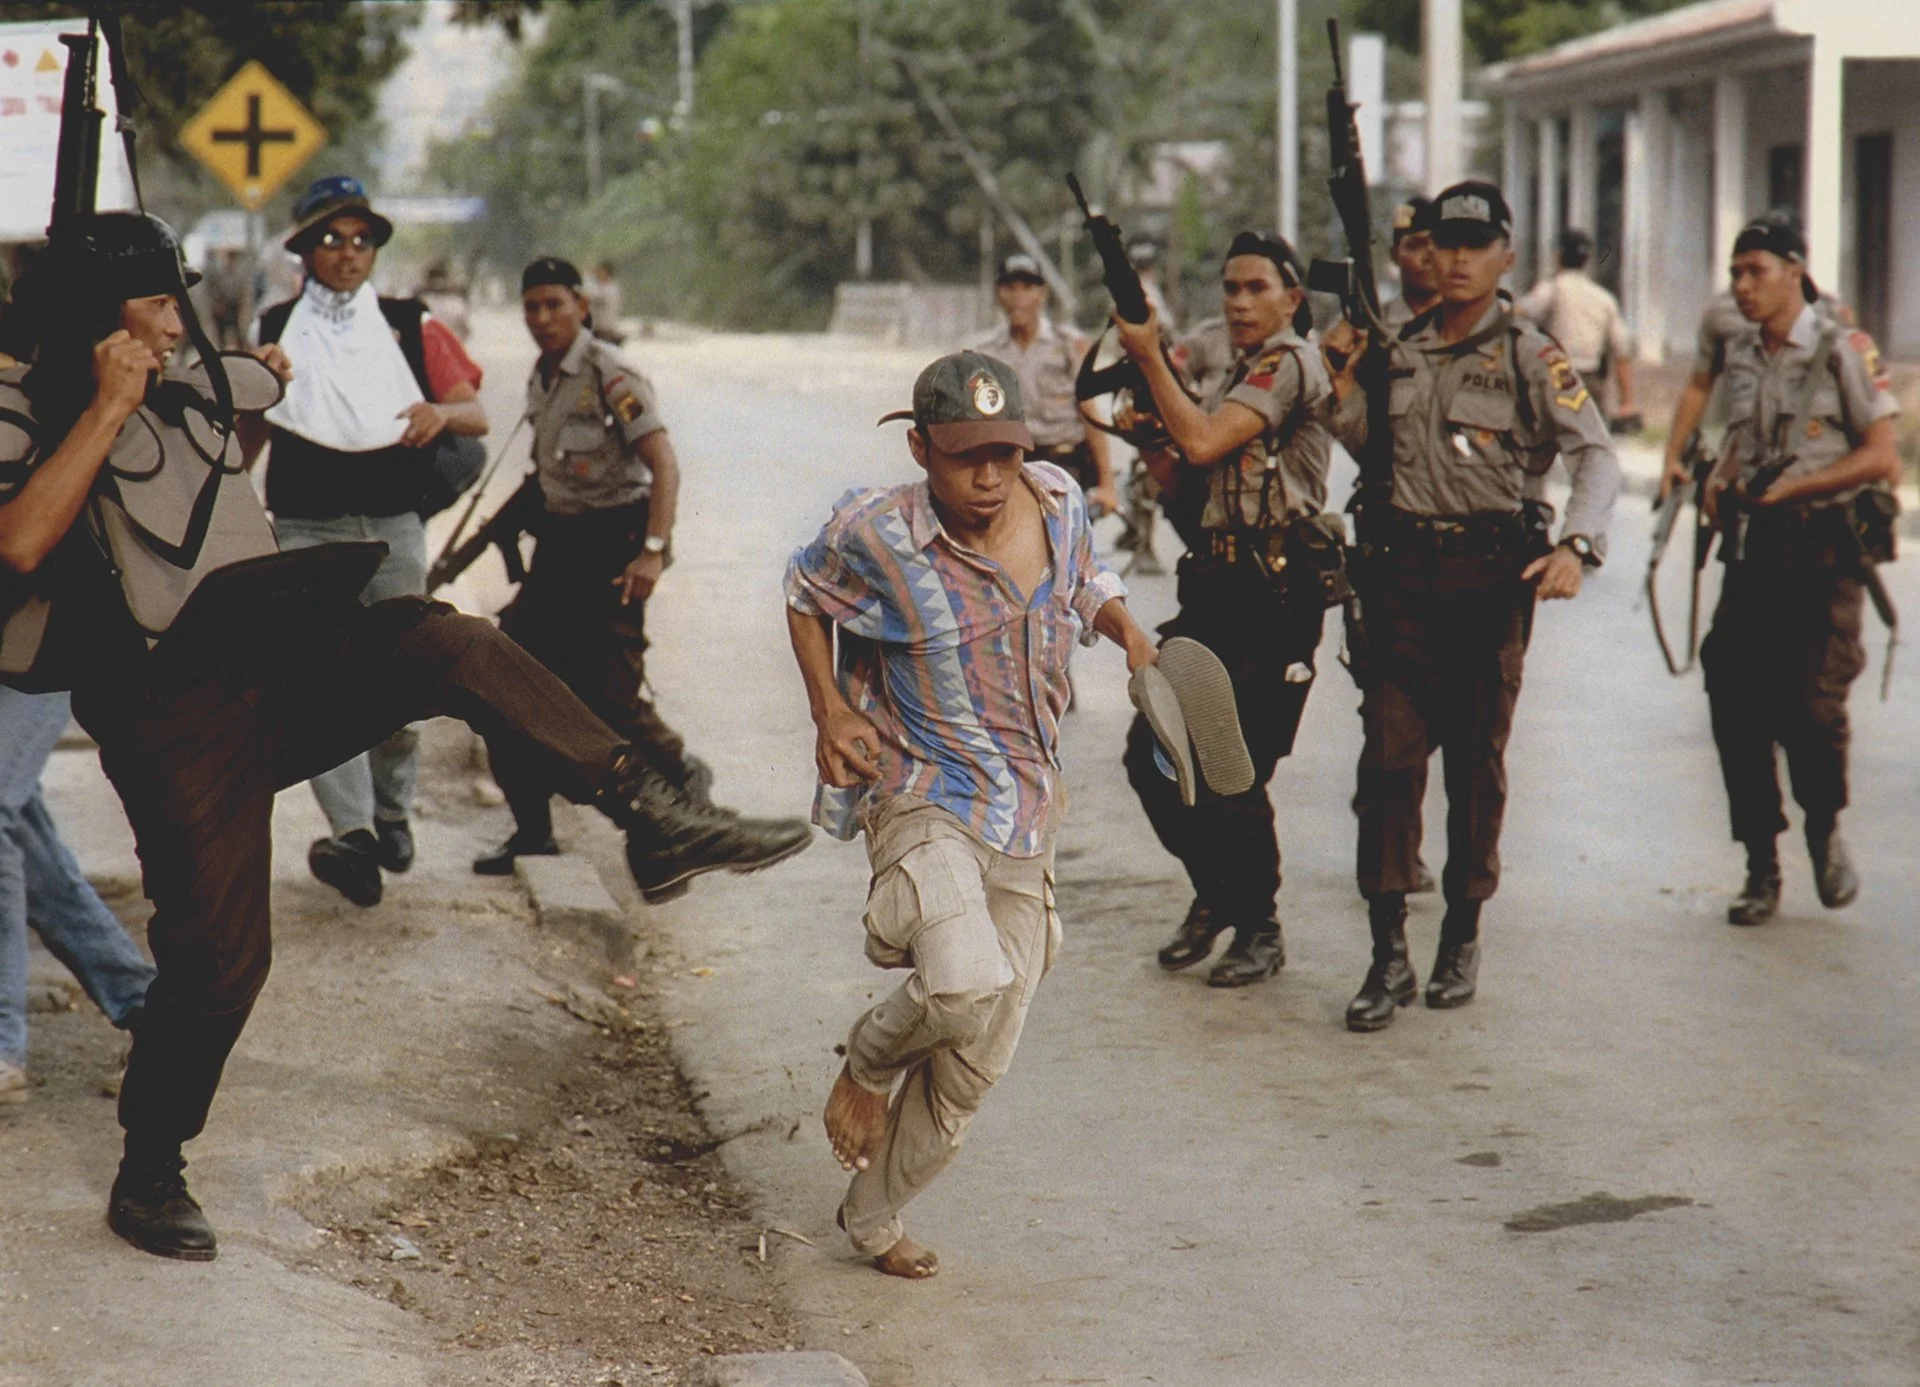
x: 333, y: 240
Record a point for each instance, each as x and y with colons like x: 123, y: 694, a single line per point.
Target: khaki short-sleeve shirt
x: 1282, y: 474
x: 1764, y: 394
x: 586, y: 424
x: 1477, y: 424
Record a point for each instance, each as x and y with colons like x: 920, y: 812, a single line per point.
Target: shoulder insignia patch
x: 1570, y: 393
x: 627, y: 407
x: 1870, y: 357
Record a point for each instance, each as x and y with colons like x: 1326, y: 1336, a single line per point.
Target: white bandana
x: 350, y: 381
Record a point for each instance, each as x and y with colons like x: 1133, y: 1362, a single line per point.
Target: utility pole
x: 594, y: 84
x: 863, y: 231
x: 1287, y: 135
x: 1440, y: 63
x: 683, y: 21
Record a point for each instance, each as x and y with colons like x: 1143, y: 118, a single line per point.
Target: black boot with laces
x: 1390, y: 983
x: 151, y: 1209
x: 672, y: 838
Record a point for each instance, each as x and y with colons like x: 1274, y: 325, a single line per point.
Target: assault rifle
x: 502, y: 532
x: 1134, y: 420
x: 76, y: 168
x: 1700, y: 463
x: 1352, y: 279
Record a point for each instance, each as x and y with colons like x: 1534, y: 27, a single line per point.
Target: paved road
x: 1177, y: 1185
x: 1174, y: 1185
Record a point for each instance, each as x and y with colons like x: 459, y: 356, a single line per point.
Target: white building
x: 1663, y: 136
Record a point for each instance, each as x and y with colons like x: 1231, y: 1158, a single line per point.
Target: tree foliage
x: 815, y: 116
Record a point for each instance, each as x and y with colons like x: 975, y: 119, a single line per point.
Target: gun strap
x: 1803, y: 406
x: 123, y: 95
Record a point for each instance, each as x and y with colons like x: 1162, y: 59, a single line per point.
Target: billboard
x: 33, y: 65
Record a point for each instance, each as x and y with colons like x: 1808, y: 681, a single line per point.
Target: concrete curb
x: 813, y: 1368
x: 569, y: 899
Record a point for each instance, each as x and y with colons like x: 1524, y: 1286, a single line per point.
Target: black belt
x: 1478, y: 536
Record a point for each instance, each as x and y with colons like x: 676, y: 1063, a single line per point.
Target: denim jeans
x: 377, y: 784
x: 41, y: 882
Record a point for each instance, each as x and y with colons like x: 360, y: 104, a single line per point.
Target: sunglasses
x: 333, y: 240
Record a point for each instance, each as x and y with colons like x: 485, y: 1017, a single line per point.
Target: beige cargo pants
x: 979, y: 930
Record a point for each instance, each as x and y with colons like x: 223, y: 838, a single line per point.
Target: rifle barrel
x: 1339, y: 67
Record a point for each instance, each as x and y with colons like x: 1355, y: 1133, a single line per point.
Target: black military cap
x: 1471, y: 213
x: 1778, y: 233
x: 1275, y: 248
x: 549, y: 269
x: 1020, y: 268
x: 968, y: 400
x: 1413, y: 215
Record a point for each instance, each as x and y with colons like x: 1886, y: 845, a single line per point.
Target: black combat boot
x: 1759, y: 899
x: 1390, y: 983
x: 670, y: 839
x: 499, y: 862
x: 1193, y: 941
x: 1833, y: 874
x: 350, y: 864
x: 395, y: 837
x: 151, y: 1209
x: 1456, y: 966
x: 1256, y: 954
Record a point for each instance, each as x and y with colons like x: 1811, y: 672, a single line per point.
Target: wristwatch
x: 1582, y: 549
x: 655, y: 544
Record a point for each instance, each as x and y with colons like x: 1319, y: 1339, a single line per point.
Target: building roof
x: 1707, y: 24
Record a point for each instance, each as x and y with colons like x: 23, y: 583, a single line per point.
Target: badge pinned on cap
x: 1466, y: 207
x: 988, y: 397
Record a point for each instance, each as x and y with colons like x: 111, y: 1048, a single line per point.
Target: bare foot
x: 856, y: 1122
x: 908, y: 1259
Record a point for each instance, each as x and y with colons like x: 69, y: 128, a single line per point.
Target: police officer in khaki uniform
x: 1412, y: 252
x: 1454, y: 558
x: 1251, y: 591
x: 1785, y: 647
x: 610, y: 483
x: 1046, y: 357
x: 1719, y: 325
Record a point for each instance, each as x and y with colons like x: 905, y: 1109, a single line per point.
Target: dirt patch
x: 1598, y: 1207
x: 609, y: 1248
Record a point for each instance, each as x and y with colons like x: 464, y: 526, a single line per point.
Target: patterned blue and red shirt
x: 964, y: 675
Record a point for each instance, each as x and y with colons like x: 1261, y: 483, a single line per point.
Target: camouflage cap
x: 968, y: 400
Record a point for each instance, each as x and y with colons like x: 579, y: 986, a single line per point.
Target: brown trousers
x: 569, y: 617
x: 197, y: 754
x: 1782, y: 654
x: 1449, y: 641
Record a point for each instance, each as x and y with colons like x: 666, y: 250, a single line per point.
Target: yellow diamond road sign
x: 254, y: 135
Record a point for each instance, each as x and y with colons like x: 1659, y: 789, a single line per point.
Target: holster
x: 1875, y: 516
x: 1301, y: 561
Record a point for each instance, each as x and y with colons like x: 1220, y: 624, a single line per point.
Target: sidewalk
x: 385, y: 1041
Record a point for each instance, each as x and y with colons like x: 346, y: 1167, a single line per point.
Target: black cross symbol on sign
x: 252, y: 136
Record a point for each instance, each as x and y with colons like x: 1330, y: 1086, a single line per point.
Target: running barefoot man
x: 958, y: 600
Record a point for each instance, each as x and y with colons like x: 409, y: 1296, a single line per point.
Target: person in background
x: 375, y: 382
x: 1719, y: 325
x: 42, y: 885
x: 603, y: 302
x: 1785, y: 648
x: 1412, y: 253
x: 1586, y: 321
x: 1046, y: 357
